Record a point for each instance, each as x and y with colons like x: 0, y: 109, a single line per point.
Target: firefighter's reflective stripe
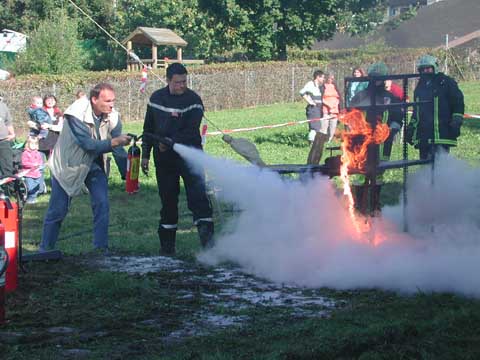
x: 203, y: 219
x: 383, y: 157
x: 437, y: 140
x: 169, y: 226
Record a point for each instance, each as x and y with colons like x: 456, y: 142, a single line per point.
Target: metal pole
x: 293, y: 83
x: 405, y: 157
x: 446, y: 54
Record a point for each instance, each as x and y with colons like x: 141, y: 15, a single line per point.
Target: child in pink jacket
x: 33, y: 159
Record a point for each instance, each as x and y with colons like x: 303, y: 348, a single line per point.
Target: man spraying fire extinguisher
x: 174, y: 114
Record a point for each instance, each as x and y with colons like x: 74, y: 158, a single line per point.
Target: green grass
x: 108, y: 310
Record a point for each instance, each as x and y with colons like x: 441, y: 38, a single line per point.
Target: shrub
x: 52, y: 48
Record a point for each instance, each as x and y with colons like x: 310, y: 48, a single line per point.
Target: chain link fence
x: 219, y: 90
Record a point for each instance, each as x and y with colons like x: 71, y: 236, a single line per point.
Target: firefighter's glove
x: 166, y: 142
x: 144, y: 166
x: 455, y: 124
x: 409, y: 134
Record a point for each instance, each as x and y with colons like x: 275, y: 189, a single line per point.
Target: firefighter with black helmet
x: 435, y: 123
x: 173, y: 116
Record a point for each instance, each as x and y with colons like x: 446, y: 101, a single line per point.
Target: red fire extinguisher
x: 3, y: 270
x: 9, y: 219
x: 133, y: 166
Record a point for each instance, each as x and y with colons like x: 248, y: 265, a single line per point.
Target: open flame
x: 356, y: 138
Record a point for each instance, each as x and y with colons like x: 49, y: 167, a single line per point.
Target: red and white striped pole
x: 143, y: 84
x: 203, y: 132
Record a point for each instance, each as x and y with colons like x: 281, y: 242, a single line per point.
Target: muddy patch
x: 227, y: 295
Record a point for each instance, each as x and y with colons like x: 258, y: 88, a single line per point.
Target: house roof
x: 157, y: 36
x: 428, y: 28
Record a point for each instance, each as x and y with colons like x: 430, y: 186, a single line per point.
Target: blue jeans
x: 97, y: 185
x: 34, y: 187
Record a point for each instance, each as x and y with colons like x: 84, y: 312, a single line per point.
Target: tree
x: 267, y: 27
x: 52, y: 48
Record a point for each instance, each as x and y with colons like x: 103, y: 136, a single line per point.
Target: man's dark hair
x: 176, y: 69
x: 95, y: 92
x: 317, y: 73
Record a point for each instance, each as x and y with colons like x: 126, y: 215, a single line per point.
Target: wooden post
x: 154, y: 56
x: 129, y: 48
x: 179, y: 54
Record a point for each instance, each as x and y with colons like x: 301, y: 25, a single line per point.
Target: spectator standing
x: 312, y: 93
x: 354, y: 87
x: 32, y: 160
x: 175, y: 112
x: 54, y: 126
x: 436, y: 123
x: 395, y: 89
x: 79, y: 94
x: 331, y: 104
x: 79, y: 157
x: 7, y: 135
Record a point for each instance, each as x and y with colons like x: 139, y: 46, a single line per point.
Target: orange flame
x: 356, y: 137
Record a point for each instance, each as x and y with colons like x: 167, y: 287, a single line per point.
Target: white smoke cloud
x: 300, y: 232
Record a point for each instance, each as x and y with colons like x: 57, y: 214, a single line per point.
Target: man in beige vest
x: 91, y: 130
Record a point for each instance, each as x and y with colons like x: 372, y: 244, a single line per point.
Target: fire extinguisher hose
x: 4, y: 260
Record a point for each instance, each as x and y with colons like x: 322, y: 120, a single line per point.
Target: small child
x: 33, y: 159
x: 38, y: 117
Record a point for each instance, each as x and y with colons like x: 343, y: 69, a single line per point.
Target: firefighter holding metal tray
x: 173, y: 116
x: 435, y: 124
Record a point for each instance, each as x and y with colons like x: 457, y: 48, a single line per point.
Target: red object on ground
x: 133, y: 169
x: 2, y: 276
x: 9, y: 218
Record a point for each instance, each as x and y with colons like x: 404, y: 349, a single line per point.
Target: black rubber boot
x: 205, y: 232
x: 167, y: 241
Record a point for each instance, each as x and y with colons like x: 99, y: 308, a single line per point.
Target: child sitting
x: 33, y: 159
x: 39, y: 118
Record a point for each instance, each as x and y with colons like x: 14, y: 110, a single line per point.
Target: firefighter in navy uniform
x: 436, y: 123
x: 174, y: 114
x: 393, y: 117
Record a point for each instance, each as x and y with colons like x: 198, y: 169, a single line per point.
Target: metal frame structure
x: 374, y: 166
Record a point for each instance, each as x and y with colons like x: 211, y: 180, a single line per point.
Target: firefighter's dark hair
x: 95, y: 92
x: 176, y: 69
x: 317, y: 73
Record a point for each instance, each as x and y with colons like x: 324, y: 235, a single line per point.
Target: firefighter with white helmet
x: 435, y: 123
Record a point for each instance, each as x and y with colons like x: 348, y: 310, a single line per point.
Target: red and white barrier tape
x: 290, y: 123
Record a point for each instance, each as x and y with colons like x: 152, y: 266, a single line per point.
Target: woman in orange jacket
x: 331, y: 104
